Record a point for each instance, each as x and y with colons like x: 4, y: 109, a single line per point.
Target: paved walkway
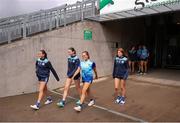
x: 159, y: 76
x: 145, y: 102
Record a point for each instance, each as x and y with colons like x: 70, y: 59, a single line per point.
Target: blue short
x: 138, y: 59
x: 119, y: 77
x: 144, y: 59
x: 124, y: 77
x: 43, y: 79
x: 87, y: 80
x: 77, y: 77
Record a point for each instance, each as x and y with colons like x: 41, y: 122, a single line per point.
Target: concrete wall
x: 125, y: 32
x: 17, y: 60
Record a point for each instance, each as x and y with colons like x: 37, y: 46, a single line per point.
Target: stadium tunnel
x: 158, y: 28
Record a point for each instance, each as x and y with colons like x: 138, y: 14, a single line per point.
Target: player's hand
x: 72, y: 78
x: 96, y: 77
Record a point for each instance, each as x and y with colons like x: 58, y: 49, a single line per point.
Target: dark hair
x: 72, y: 49
x: 87, y: 53
x: 44, y: 52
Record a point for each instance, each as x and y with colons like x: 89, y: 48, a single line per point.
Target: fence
x: 22, y: 26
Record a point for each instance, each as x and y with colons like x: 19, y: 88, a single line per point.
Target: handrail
x: 25, y: 25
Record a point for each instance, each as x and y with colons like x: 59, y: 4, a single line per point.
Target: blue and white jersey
x: 139, y: 52
x: 120, y: 67
x: 144, y: 53
x: 87, y: 70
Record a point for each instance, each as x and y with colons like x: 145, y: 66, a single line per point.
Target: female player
x: 139, y: 52
x: 43, y: 68
x: 132, y: 59
x: 120, y: 74
x: 73, y: 64
x: 144, y: 59
x: 86, y: 67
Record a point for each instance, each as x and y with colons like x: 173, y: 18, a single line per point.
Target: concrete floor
x: 145, y: 101
x: 166, y: 77
x: 16, y: 109
x: 167, y: 74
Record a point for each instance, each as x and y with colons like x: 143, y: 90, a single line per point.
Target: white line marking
x: 108, y: 110
x: 94, y: 81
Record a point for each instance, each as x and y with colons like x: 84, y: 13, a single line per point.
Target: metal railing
x: 22, y: 26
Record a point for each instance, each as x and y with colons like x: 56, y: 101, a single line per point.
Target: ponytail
x: 44, y: 52
x: 73, y: 50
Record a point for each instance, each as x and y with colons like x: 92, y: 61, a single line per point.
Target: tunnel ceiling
x: 136, y: 13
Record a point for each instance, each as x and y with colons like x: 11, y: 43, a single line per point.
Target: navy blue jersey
x: 132, y: 55
x: 120, y: 67
x: 43, y: 68
x: 73, y: 64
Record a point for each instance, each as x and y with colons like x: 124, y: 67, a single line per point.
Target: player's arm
x: 77, y: 72
x: 95, y: 70
x: 114, y: 67
x: 77, y: 63
x: 53, y: 71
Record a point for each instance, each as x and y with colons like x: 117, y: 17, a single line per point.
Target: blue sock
x: 123, y: 98
x: 49, y: 98
x: 80, y: 105
x: 119, y: 97
x: 63, y: 101
x: 38, y: 103
x: 91, y: 99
